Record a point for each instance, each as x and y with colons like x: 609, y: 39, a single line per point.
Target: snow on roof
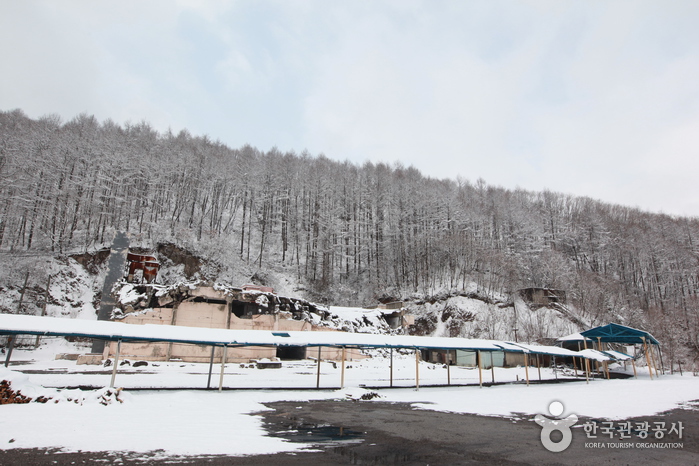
x: 52, y: 326
x: 552, y: 350
x: 573, y: 337
x: 22, y: 324
x: 594, y: 354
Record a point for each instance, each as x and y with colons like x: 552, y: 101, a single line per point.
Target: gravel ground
x: 378, y: 433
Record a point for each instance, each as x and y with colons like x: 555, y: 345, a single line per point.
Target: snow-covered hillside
x: 470, y: 314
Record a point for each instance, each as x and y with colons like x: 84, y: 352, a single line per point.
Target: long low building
x: 11, y: 324
x: 224, y: 338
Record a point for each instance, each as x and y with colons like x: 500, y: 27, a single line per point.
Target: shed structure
x: 620, y: 334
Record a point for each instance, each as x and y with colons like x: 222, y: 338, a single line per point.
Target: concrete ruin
x: 245, y: 308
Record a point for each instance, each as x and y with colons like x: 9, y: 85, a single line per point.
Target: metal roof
x: 51, y: 326
x: 615, y: 333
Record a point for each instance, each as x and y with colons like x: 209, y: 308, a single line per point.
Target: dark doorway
x: 287, y: 353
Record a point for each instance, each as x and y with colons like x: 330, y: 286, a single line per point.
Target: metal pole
x: 587, y: 365
x: 342, y: 377
x: 391, y: 367
x: 318, y: 370
x: 116, y: 363
x: 211, y: 367
x: 448, y: 371
x: 10, y: 347
x: 480, y: 369
x: 492, y: 368
x: 223, y: 367
x: 417, y: 369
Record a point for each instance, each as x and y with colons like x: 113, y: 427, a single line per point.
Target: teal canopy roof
x: 615, y: 333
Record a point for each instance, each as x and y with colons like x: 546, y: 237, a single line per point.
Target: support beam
x: 448, y: 371
x: 417, y: 369
x: 587, y: 364
x: 223, y: 367
x: 654, y: 360
x: 10, y: 347
x: 645, y: 350
x: 211, y: 367
x: 318, y: 369
x: 606, y: 363
x: 492, y: 368
x: 538, y: 366
x: 526, y: 367
x: 116, y: 363
x: 587, y: 370
x: 633, y: 363
x: 342, y: 372
x: 391, y: 379
x: 480, y: 369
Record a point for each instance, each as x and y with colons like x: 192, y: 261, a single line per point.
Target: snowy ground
x: 197, y: 422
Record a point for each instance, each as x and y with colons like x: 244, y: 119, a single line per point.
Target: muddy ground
x: 377, y: 433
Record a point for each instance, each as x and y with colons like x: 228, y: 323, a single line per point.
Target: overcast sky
x: 593, y: 98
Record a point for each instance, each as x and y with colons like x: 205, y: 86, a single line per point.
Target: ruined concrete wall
x: 210, y: 315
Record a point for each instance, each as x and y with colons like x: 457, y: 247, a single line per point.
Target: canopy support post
x: 654, y: 359
x: 587, y: 364
x: 417, y: 369
x: 480, y: 369
x: 391, y: 375
x: 342, y: 372
x: 10, y: 347
x: 587, y: 371
x: 526, y: 367
x: 645, y: 350
x: 538, y: 367
x: 448, y: 371
x: 633, y: 363
x: 492, y: 368
x: 116, y: 363
x: 211, y: 366
x: 223, y: 367
x: 318, y: 368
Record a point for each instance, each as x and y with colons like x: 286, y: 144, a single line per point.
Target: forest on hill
x: 348, y: 232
